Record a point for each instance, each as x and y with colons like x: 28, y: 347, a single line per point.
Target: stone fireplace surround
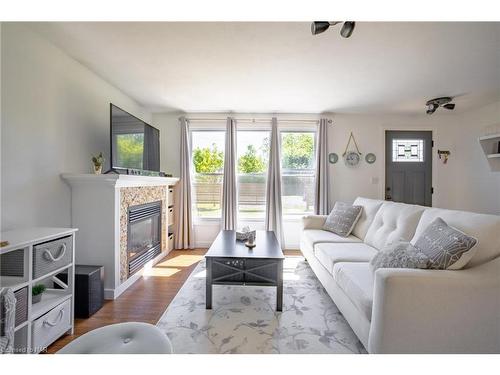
x: 99, y: 205
x: 133, y: 196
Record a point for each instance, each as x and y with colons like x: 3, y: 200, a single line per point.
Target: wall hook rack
x: 443, y: 155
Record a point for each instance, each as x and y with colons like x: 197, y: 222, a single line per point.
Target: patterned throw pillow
x: 399, y: 255
x: 342, y: 219
x: 446, y: 247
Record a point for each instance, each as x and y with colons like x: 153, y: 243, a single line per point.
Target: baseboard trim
x: 203, y: 244
x: 115, y: 293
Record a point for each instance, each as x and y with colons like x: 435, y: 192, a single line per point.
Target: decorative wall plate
x: 352, y: 159
x: 370, y: 158
x: 333, y: 158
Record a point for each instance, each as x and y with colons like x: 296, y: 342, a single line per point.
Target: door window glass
x: 407, y: 150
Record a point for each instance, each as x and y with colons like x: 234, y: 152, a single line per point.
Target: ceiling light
x: 431, y: 108
x: 347, y: 29
x: 434, y: 104
x: 318, y: 27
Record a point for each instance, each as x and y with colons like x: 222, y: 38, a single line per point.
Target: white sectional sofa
x: 397, y: 310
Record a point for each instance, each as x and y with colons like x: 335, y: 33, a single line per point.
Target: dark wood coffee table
x: 230, y: 262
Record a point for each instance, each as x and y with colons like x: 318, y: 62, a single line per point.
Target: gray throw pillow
x: 399, y: 255
x: 342, y: 219
x: 446, y: 247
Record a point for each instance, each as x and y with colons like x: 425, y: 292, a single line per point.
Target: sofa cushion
x: 329, y: 254
x: 342, y: 219
x: 357, y: 281
x: 399, y: 255
x: 316, y: 236
x: 484, y: 228
x: 370, y: 209
x: 393, y: 222
x: 446, y: 247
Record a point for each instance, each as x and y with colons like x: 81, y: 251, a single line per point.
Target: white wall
x: 170, y: 135
x: 55, y: 114
x: 368, y: 180
x: 476, y: 181
x: 465, y: 182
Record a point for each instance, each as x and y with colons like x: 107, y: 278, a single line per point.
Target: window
x: 208, y: 168
x: 407, y: 150
x: 253, y: 156
x: 297, y: 173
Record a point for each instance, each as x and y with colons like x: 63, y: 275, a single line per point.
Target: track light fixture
x: 434, y: 104
x: 318, y: 27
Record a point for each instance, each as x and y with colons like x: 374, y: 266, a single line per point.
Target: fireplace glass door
x: 144, y: 233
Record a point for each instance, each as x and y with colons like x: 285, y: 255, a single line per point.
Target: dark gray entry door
x: 408, y: 167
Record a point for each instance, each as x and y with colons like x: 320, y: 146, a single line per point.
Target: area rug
x: 243, y: 319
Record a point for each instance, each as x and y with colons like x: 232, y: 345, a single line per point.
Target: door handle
x: 387, y: 195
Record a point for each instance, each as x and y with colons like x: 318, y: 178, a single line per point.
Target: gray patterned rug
x: 243, y: 319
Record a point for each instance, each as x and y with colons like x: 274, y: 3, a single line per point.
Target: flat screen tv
x: 134, y: 143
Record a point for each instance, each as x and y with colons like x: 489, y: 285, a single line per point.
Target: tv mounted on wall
x: 135, y: 145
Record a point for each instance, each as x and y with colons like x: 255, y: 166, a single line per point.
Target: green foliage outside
x: 130, y: 150
x: 297, y: 150
x: 297, y: 153
x: 250, y: 162
x: 208, y: 160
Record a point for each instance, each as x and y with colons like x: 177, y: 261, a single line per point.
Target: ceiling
x: 280, y: 67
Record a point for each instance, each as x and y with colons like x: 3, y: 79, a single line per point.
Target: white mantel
x: 96, y: 209
x: 118, y: 180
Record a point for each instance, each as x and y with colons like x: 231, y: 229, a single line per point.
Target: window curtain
x: 274, y: 219
x: 229, y: 192
x: 184, y: 238
x: 321, y: 180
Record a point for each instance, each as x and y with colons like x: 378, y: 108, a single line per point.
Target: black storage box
x: 89, y: 289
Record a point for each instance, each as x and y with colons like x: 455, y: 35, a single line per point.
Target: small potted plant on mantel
x: 98, y: 162
x: 36, y: 293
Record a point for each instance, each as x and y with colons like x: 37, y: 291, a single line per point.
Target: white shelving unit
x: 490, y: 136
x: 40, y: 326
x: 493, y: 156
x: 489, y: 143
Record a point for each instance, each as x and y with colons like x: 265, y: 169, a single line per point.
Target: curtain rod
x: 256, y: 120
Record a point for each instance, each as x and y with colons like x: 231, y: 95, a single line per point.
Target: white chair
x: 121, y: 338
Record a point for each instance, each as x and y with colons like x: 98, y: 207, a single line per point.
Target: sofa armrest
x: 313, y: 221
x: 434, y: 311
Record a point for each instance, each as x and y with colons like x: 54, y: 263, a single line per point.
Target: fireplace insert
x: 144, y: 235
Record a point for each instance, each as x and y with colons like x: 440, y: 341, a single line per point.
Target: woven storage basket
x: 50, y: 326
x: 12, y: 263
x: 21, y: 305
x: 50, y: 256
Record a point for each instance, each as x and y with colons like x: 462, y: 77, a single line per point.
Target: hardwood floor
x: 147, y: 298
